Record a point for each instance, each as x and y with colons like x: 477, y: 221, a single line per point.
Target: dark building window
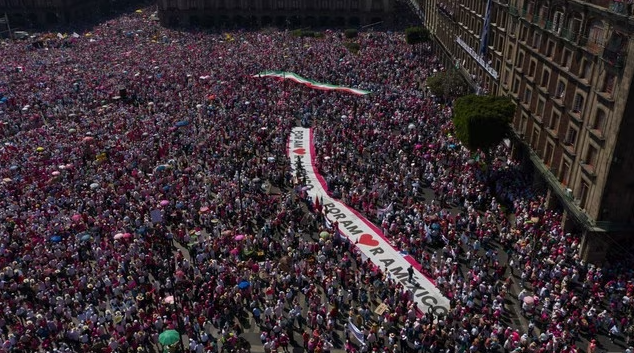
x: 583, y: 194
x: 577, y: 105
x: 564, y: 175
x: 608, y: 83
x: 571, y: 136
x: 599, y: 120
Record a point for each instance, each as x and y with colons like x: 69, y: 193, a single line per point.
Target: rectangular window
x: 535, y: 139
x: 540, y: 107
x: 586, y: 69
x: 516, y: 85
x: 554, y: 121
x: 608, y: 83
x: 561, y: 90
x: 537, y: 38
x: 565, y: 58
x: 524, y: 33
x: 545, y: 78
x: 564, y: 174
x: 523, y: 124
x: 550, y: 49
x: 520, y: 59
x: 507, y: 76
x: 531, y: 68
x: 599, y: 120
x: 591, y: 156
x: 583, y: 194
x: 571, y: 136
x: 548, y: 154
x: 577, y: 105
x: 528, y: 94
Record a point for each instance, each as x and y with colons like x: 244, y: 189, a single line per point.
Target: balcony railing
x: 525, y: 13
x: 534, y: 18
x: 569, y: 35
x: 548, y: 25
x: 476, y: 56
x: 513, y: 10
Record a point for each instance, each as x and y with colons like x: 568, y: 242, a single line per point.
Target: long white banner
x: 370, y: 240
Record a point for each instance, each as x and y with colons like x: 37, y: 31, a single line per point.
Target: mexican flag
x: 310, y: 83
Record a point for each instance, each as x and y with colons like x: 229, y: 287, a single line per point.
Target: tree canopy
x: 481, y: 122
x: 447, y: 84
x: 416, y: 35
x: 351, y: 33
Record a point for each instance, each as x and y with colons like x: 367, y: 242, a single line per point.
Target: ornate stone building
x: 24, y: 14
x: 567, y: 66
x: 281, y: 13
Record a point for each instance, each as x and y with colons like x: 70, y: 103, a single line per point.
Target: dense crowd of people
x: 125, y: 143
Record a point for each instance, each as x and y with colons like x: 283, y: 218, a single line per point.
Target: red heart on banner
x: 367, y: 239
x: 299, y: 151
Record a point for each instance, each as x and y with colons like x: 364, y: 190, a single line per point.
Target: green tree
x: 448, y: 84
x: 417, y: 35
x: 436, y: 84
x: 481, y: 122
x: 351, y: 33
x: 353, y: 47
x: 454, y: 84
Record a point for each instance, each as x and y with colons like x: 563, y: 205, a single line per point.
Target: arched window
x: 596, y: 35
x: 558, y: 20
x: 529, y: 7
x: 573, y: 27
x: 543, y: 15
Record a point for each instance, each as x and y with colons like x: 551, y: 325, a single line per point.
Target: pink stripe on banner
x: 378, y: 231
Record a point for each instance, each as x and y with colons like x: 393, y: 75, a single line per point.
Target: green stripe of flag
x: 311, y: 83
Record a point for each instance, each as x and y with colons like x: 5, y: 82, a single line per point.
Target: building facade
x: 567, y: 66
x: 281, y: 13
x: 24, y: 14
